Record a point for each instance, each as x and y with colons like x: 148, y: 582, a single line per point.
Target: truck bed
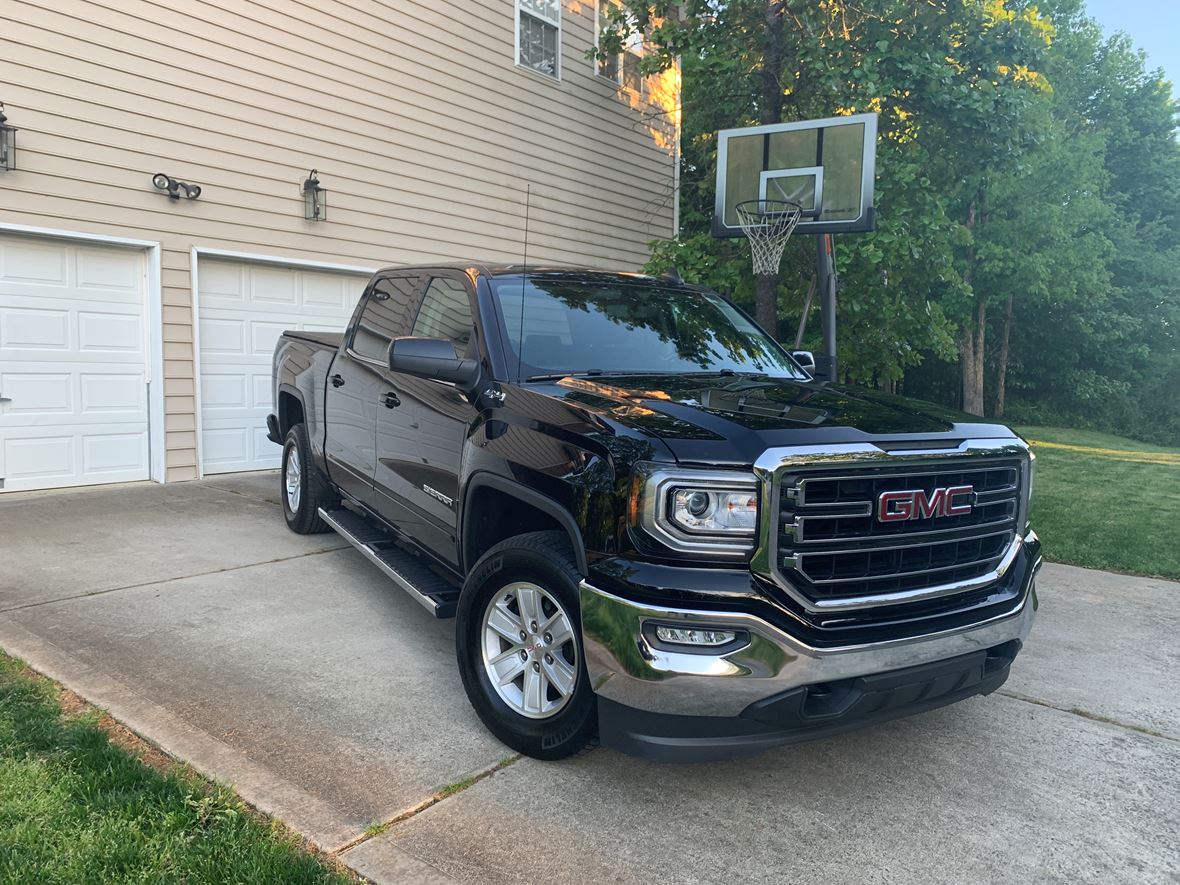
x: 325, y: 339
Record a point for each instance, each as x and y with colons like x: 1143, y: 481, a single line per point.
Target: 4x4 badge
x: 916, y: 504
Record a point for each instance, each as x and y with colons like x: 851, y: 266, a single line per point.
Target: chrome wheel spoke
x: 559, y: 630
x: 529, y: 603
x: 507, y: 666
x: 505, y: 623
x: 292, y: 480
x: 534, y: 691
x: 559, y: 674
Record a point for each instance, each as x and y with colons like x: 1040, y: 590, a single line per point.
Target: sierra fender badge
x: 435, y: 493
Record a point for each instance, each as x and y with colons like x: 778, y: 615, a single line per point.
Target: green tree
x: 949, y: 79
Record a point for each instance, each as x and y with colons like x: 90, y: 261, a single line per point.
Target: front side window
x: 446, y: 313
x: 386, y: 315
x: 538, y: 36
x: 604, y: 327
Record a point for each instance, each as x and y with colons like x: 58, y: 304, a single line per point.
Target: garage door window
x: 446, y: 313
x: 386, y: 316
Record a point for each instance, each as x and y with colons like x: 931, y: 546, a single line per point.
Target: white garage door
x: 243, y: 308
x: 73, y: 367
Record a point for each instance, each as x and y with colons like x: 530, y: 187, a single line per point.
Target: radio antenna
x: 528, y: 191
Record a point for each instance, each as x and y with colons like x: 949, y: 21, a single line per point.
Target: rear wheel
x: 519, y: 646
x: 303, y: 489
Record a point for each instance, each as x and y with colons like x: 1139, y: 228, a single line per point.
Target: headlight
x: 706, y: 511
x: 714, y: 512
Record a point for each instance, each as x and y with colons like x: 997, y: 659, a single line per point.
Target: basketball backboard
x: 826, y: 166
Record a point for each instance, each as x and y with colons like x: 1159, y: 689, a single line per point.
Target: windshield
x: 578, y: 327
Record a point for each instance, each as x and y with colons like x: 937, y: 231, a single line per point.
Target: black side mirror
x: 433, y: 358
x: 806, y: 359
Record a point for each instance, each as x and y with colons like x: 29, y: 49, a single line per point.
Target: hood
x: 732, y: 419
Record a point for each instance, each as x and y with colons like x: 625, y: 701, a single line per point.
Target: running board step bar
x: 405, y: 569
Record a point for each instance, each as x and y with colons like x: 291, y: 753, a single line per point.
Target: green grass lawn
x: 1102, y: 508
x: 76, y: 808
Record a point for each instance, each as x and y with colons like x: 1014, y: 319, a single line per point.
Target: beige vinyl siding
x: 423, y: 129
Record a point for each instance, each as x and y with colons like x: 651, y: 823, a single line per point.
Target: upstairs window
x: 538, y: 36
x: 623, y: 68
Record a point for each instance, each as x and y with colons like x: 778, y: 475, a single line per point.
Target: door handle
x: 391, y: 400
x: 337, y: 380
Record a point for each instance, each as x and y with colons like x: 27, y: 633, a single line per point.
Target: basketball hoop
x: 768, y: 224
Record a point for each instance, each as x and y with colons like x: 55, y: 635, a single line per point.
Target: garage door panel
x: 33, y: 261
x: 106, y: 393
x: 271, y: 285
x: 108, y: 453
x: 264, y: 337
x: 109, y: 273
x: 220, y: 392
x: 244, y: 309
x: 32, y: 328
x: 110, y: 331
x: 225, y: 448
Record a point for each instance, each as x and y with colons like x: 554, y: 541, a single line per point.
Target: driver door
x: 422, y: 425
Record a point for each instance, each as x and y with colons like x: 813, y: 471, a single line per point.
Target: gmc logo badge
x: 915, y: 504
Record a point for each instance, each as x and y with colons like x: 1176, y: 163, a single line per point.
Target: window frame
x: 619, y: 80
x: 554, y: 23
x: 417, y: 287
x: 465, y: 285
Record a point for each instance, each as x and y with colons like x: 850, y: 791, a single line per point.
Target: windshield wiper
x: 557, y: 376
x: 594, y: 373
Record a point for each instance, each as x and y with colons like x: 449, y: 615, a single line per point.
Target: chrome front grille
x: 832, y: 550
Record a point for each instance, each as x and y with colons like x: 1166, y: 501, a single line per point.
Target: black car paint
x: 568, y: 444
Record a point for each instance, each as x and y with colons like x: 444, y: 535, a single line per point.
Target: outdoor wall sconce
x: 315, y: 198
x: 7, y: 143
x: 174, y: 187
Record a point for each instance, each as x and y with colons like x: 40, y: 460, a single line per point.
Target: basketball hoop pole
x: 825, y: 272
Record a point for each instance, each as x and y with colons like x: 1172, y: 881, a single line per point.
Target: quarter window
x: 446, y: 313
x: 538, y: 36
x: 386, y: 316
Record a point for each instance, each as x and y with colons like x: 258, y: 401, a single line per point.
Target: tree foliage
x: 1028, y: 175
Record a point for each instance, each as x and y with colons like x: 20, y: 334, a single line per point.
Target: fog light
x: 685, y: 636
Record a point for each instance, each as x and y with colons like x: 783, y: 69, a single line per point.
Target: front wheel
x: 519, y: 644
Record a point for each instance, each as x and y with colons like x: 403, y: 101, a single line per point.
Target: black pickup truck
x: 652, y: 525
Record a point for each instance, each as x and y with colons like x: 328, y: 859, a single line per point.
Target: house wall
x: 423, y: 129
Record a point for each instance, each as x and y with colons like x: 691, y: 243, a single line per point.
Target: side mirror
x: 433, y: 358
x: 806, y: 359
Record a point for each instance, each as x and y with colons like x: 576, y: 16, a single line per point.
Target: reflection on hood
x: 713, y: 405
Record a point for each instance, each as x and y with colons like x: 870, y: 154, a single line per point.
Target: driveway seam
x: 1086, y: 714
x: 238, y: 494
x: 218, y: 571
x: 429, y: 802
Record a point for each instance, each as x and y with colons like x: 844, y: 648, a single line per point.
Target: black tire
x: 314, y: 491
x: 546, y: 560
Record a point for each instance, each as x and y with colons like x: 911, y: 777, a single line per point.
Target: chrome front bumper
x: 626, y: 667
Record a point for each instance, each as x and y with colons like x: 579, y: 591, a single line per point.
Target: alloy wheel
x: 530, y: 653
x: 291, y: 480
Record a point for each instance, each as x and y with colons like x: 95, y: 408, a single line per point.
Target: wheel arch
x: 290, y: 407
x: 539, y: 512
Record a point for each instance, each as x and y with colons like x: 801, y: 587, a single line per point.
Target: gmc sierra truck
x: 651, y: 525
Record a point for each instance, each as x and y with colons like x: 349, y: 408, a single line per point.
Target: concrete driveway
x: 289, y: 667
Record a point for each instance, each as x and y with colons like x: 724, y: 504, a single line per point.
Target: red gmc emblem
x: 915, y: 504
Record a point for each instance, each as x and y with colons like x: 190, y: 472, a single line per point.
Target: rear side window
x: 386, y: 316
x: 446, y: 313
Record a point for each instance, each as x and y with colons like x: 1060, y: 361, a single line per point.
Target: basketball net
x: 768, y: 224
